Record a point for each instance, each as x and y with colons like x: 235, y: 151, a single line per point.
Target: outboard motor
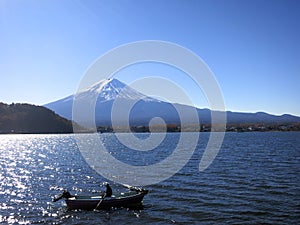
x: 139, y: 190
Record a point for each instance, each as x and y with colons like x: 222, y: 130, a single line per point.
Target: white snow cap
x: 110, y: 89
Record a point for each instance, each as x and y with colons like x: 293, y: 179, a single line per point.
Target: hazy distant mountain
x: 146, y: 108
x: 259, y: 117
x: 26, y: 118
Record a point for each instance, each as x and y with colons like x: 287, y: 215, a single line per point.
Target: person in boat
x: 108, y: 192
x: 65, y: 195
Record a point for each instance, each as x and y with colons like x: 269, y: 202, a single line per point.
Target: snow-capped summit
x: 110, y: 89
x: 105, y: 85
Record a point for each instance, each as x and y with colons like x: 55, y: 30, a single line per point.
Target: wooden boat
x: 132, y: 198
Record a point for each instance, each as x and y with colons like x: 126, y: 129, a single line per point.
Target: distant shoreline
x: 172, y: 128
x: 275, y: 131
x: 203, y: 128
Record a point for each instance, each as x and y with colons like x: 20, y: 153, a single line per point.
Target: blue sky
x: 251, y: 46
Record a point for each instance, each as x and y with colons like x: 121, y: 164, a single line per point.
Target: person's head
x: 107, y: 185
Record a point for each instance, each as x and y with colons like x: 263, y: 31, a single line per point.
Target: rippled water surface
x: 255, y: 179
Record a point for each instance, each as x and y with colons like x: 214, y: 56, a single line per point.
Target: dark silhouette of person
x: 65, y: 195
x: 108, y: 191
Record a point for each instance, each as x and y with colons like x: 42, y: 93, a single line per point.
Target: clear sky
x: 253, y: 47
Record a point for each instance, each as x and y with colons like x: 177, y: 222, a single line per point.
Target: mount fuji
x: 145, y: 108
x: 107, y: 91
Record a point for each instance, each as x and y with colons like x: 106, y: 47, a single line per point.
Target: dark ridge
x: 31, y: 119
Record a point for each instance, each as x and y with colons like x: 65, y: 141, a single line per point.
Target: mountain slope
x: 145, y: 108
x: 26, y: 118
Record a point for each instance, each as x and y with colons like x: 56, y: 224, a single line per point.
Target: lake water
x: 255, y: 179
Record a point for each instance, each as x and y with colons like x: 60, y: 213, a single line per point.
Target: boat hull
x: 91, y: 203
